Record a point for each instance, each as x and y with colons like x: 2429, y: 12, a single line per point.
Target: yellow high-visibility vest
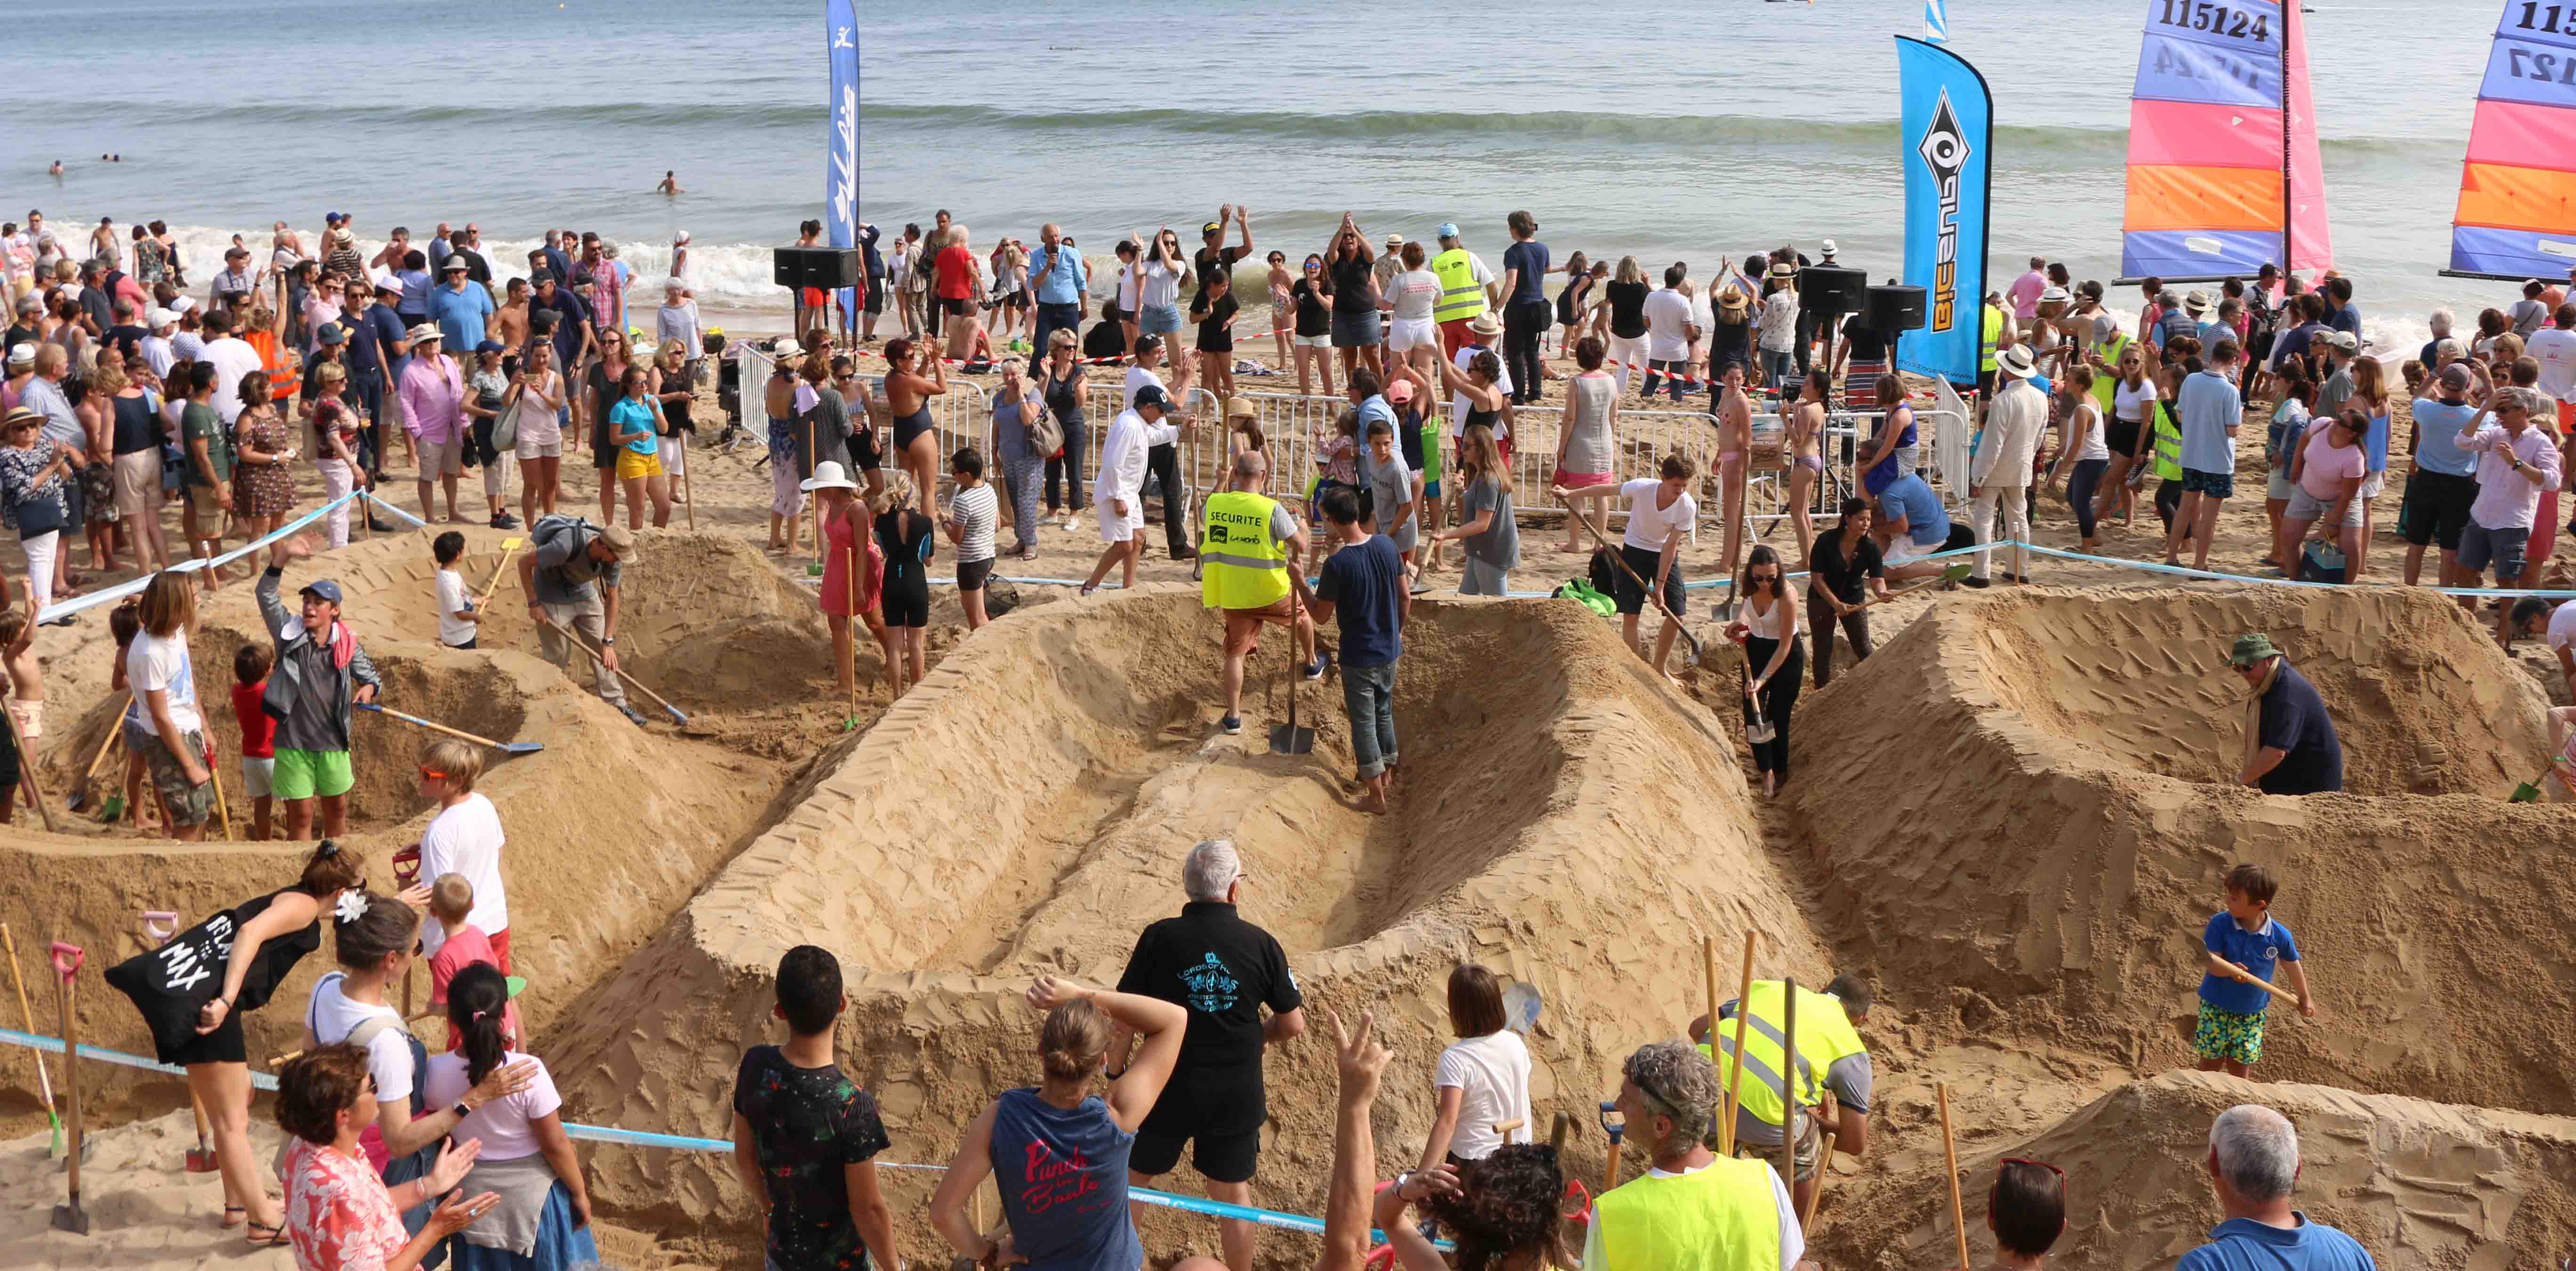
x: 1723, y: 1218
x: 1825, y: 1035
x: 1994, y: 337
x: 1461, y: 296
x: 2168, y: 443
x: 1241, y: 565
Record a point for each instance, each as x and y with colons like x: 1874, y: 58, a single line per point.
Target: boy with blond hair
x: 461, y: 944
x: 2247, y: 949
x: 465, y: 838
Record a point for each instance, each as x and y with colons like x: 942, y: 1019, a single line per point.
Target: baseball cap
x: 2344, y: 340
x: 160, y: 317
x: 334, y: 218
x: 1152, y: 395
x: 1212, y: 227
x: 332, y: 333
x: 182, y: 305
x: 1448, y: 229
x: 620, y: 539
x: 538, y: 276
x: 1399, y: 392
x: 488, y: 346
x: 323, y: 588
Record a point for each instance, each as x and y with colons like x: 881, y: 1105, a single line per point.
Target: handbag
x: 1046, y: 436
x: 42, y: 514
x: 505, y: 430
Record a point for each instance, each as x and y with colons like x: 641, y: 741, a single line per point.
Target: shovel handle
x: 67, y: 960
x: 407, y: 865
x: 159, y: 925
x: 2260, y: 983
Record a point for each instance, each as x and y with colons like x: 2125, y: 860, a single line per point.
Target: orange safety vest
x: 285, y: 380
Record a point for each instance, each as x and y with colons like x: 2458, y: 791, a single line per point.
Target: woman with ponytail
x: 375, y: 938
x: 1058, y: 1151
x: 543, y: 1220
x: 193, y: 991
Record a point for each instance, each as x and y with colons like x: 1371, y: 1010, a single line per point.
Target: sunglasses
x: 433, y: 774
x: 1766, y: 578
x: 371, y: 1083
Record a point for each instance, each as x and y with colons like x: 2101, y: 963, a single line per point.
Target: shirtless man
x: 670, y: 184
x: 510, y: 320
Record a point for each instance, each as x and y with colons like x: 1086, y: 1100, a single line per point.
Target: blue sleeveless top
x: 1063, y: 1178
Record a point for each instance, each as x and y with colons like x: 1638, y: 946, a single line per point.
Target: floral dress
x: 264, y: 489
x: 18, y: 469
x: 338, y: 1215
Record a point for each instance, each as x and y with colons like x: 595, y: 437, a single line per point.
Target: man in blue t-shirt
x: 2247, y: 951
x: 2253, y: 1163
x: 1363, y: 587
x: 1912, y: 525
x: 2296, y: 749
x: 460, y: 308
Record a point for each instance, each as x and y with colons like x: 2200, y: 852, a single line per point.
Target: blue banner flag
x: 841, y: 169
x: 1936, y: 21
x: 1948, y: 130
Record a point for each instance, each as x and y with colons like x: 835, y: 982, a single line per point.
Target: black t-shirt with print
x: 1208, y: 262
x: 1224, y: 970
x: 806, y: 1125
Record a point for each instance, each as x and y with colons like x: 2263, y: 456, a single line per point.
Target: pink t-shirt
x: 2327, y: 466
x: 463, y: 949
x: 2025, y: 294
x: 503, y: 1123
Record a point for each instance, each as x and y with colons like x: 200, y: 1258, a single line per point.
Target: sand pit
x: 2421, y: 1184
x: 611, y: 827
x: 1028, y: 807
x: 2011, y: 872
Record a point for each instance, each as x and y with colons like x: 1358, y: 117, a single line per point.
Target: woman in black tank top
x: 1060, y: 383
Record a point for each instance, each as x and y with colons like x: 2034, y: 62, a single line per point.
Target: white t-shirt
x: 1415, y: 293
x: 1127, y: 289
x: 332, y: 1016
x: 233, y: 359
x: 2555, y: 350
x: 1162, y: 284
x: 162, y: 662
x: 503, y: 1123
x: 1780, y: 321
x: 453, y: 631
x: 1649, y: 525
x: 1668, y: 315
x: 1492, y: 1076
x: 466, y: 839
x: 2132, y: 404
x: 2562, y: 626
x: 975, y: 508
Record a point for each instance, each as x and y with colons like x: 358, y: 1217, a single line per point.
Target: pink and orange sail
x: 2517, y: 212
x: 2224, y: 175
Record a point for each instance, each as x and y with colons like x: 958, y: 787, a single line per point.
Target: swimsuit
x: 909, y: 427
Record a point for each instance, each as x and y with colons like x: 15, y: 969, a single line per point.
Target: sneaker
x: 504, y: 521
x: 1977, y: 582
x: 380, y: 524
x: 1232, y: 724
x: 1315, y: 669
x: 633, y: 716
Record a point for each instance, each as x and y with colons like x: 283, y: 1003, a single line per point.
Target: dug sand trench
x: 1569, y: 822
x: 2421, y: 1184
x: 611, y: 828
x: 2028, y: 832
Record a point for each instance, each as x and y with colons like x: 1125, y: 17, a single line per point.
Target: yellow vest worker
x: 1994, y: 336
x: 1830, y: 1054
x: 1461, y: 296
x: 1243, y: 552
x: 1722, y: 1217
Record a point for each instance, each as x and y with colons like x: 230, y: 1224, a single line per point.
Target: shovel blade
x: 521, y: 747
x: 71, y: 1218
x: 1291, y: 739
x: 201, y: 1160
x: 2527, y: 792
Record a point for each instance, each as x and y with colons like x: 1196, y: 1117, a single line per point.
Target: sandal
x: 276, y: 1236
x: 230, y: 1210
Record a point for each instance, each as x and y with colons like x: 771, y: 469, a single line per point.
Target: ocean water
x: 1669, y: 131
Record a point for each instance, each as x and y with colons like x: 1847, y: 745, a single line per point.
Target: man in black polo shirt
x: 2294, y: 749
x: 1223, y: 970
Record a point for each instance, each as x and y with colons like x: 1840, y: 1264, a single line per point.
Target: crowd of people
x: 402, y: 1149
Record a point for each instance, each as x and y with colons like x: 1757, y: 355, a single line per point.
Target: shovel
x: 1951, y: 574
x: 631, y: 682
x: 505, y: 747
x: 1757, y: 730
x: 1652, y: 596
x: 2529, y: 791
x: 509, y: 547
x: 1291, y: 738
x: 54, y: 1149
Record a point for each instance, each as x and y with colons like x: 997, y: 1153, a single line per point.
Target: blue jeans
x: 1052, y: 318
x: 1674, y: 370
x: 1368, y: 697
x: 1775, y: 366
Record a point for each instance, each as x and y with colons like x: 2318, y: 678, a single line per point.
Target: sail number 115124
x: 2233, y: 23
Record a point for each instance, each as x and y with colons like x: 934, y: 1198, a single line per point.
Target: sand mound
x: 2027, y: 879
x: 1028, y: 806
x: 2420, y: 1184
x: 611, y: 828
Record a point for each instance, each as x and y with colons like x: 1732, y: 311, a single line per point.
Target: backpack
x: 1589, y: 596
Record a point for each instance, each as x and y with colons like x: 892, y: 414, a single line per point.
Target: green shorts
x: 2227, y: 1035
x: 302, y: 774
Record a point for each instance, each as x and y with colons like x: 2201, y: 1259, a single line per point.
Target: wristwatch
x: 461, y: 1110
x: 607, y: 640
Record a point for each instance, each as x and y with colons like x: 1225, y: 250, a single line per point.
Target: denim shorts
x: 2216, y: 485
x: 1158, y: 319
x: 2480, y: 547
x: 1355, y: 330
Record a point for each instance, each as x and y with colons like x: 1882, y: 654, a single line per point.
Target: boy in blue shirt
x: 2247, y: 948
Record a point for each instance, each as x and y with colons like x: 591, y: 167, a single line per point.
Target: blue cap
x: 325, y: 588
x: 1448, y: 229
x: 488, y: 346
x: 1151, y: 395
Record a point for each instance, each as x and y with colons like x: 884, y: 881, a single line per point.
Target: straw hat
x: 1485, y: 324
x: 2015, y: 362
